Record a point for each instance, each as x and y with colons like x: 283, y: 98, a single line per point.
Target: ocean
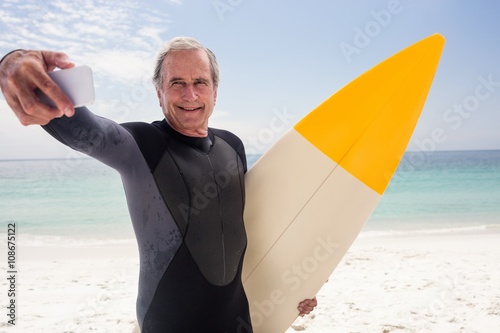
x: 81, y: 200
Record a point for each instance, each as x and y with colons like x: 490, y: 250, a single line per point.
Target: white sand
x: 441, y: 283
x: 424, y: 283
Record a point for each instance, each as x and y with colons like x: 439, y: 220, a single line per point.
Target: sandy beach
x: 422, y: 283
x: 443, y: 282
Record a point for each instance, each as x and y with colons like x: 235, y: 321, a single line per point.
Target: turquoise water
x: 442, y: 190
x: 75, y: 199
x: 81, y: 198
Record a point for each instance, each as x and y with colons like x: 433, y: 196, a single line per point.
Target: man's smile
x: 185, y: 108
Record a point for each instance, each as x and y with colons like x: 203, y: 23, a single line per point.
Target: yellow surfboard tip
x: 365, y: 126
x: 436, y: 39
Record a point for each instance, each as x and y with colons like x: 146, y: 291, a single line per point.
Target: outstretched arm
x: 21, y: 73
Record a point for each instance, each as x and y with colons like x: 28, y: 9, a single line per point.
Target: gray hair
x: 183, y: 43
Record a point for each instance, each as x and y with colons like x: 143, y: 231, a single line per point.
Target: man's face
x: 187, y: 96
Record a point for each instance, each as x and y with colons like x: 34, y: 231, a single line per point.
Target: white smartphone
x: 76, y: 82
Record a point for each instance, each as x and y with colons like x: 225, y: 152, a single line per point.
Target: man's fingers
x: 56, y: 59
x: 34, y: 109
x: 38, y: 118
x: 27, y: 120
x: 306, y: 306
x: 62, y: 102
x: 43, y: 81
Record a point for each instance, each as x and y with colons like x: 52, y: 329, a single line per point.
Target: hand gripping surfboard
x: 310, y: 194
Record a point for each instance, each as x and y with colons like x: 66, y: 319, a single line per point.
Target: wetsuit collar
x: 202, y: 144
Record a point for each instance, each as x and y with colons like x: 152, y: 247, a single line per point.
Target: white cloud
x: 132, y: 67
x: 175, y: 2
x: 119, y: 38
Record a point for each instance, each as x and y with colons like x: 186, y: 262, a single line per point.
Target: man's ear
x: 158, y: 93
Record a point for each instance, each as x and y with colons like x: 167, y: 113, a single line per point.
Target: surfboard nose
x: 372, y: 118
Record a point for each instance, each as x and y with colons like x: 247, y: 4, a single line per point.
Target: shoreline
x: 127, y: 238
x: 394, y: 283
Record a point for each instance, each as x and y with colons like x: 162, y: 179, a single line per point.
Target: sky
x: 279, y: 59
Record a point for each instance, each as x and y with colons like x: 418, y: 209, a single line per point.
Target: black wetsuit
x: 186, y: 198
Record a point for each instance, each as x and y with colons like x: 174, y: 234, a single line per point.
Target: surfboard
x: 311, y: 193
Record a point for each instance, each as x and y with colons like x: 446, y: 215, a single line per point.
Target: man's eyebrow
x: 201, y: 79
x: 175, y: 78
x: 198, y: 79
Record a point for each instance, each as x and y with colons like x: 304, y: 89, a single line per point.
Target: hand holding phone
x: 76, y: 82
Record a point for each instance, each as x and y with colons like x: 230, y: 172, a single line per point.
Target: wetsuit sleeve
x: 95, y: 136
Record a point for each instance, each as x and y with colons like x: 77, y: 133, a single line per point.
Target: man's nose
x: 189, y: 93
